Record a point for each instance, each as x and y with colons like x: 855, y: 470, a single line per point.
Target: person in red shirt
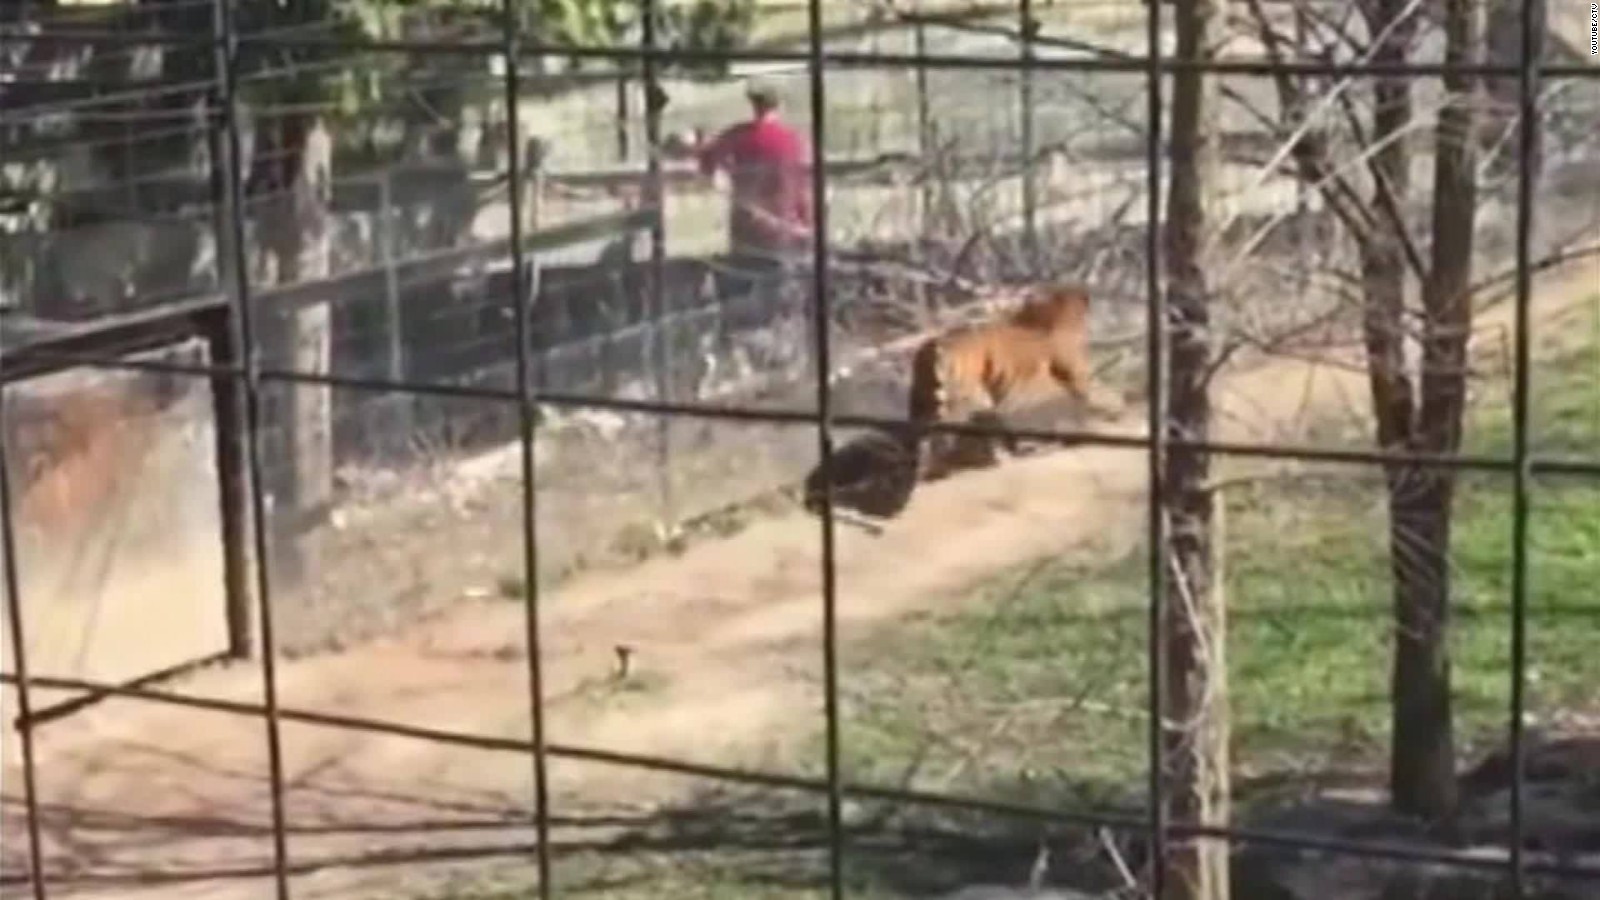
x: 763, y: 284
x: 769, y: 165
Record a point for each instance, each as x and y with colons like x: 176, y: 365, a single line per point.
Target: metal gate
x: 119, y: 517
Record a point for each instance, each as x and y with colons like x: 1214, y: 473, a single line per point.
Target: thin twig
x: 1110, y: 847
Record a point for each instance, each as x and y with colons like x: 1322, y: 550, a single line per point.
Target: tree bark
x: 1412, y: 414
x: 1503, y: 46
x: 1383, y: 270
x: 295, y: 221
x: 1195, y: 760
x: 1422, y: 773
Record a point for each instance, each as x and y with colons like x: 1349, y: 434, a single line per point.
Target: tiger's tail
x: 925, y: 405
x: 926, y: 401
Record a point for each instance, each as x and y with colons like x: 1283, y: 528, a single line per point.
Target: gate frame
x: 88, y: 345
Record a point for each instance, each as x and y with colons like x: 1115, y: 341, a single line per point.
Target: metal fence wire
x: 243, y: 372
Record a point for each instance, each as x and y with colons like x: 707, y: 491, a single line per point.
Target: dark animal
x: 873, y: 475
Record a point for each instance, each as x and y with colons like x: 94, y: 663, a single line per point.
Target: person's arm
x: 714, y: 154
x: 804, y: 213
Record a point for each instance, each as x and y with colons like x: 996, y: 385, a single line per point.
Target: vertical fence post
x: 400, y: 423
x: 226, y: 36
x: 228, y: 412
x: 16, y: 632
x: 1218, y: 733
x: 533, y: 173
x: 822, y: 367
x: 1530, y: 163
x: 654, y: 199
x: 527, y: 420
x: 919, y: 46
x: 1156, y: 424
x: 535, y: 176
x: 1302, y: 230
x: 624, y: 83
x: 233, y: 483
x: 1028, y: 28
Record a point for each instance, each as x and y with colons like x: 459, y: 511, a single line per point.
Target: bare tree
x: 1194, y: 759
x: 1422, y: 748
x: 1417, y: 409
x: 294, y: 175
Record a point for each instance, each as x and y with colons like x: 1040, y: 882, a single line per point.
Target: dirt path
x: 153, y: 801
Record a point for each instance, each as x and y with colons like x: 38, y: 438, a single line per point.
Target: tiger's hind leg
x: 968, y: 451
x: 949, y: 453
x: 992, y: 419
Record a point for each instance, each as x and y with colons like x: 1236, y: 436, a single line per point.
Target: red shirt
x: 769, y: 164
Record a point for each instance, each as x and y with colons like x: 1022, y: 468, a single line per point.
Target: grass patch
x: 1037, y: 690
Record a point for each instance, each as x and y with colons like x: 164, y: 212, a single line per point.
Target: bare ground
x: 143, y: 800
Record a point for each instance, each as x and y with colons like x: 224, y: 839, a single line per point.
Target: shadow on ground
x: 770, y: 842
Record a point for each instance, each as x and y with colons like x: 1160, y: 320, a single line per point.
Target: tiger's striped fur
x: 981, y: 367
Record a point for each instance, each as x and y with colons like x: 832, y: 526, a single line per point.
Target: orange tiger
x: 980, y: 367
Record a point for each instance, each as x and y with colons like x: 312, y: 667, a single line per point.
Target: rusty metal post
x: 233, y: 481
x: 401, y: 422
x: 655, y: 198
x: 1028, y: 27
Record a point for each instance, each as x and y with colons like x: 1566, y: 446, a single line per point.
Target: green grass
x: 1037, y: 689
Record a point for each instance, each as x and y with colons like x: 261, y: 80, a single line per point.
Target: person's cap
x: 762, y: 92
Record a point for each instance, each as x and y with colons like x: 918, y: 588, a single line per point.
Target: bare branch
x: 1331, y: 177
x: 1387, y: 202
x: 1501, y: 286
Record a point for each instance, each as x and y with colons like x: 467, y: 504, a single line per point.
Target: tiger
x: 981, y: 367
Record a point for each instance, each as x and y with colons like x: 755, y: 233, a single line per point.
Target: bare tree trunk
x: 296, y: 232
x: 1421, y: 764
x: 1503, y: 46
x: 1383, y: 268
x: 1408, y: 416
x: 1195, y: 763
x: 1422, y: 775
x: 313, y: 416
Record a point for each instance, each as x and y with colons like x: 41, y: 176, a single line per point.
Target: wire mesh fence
x: 494, y: 367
